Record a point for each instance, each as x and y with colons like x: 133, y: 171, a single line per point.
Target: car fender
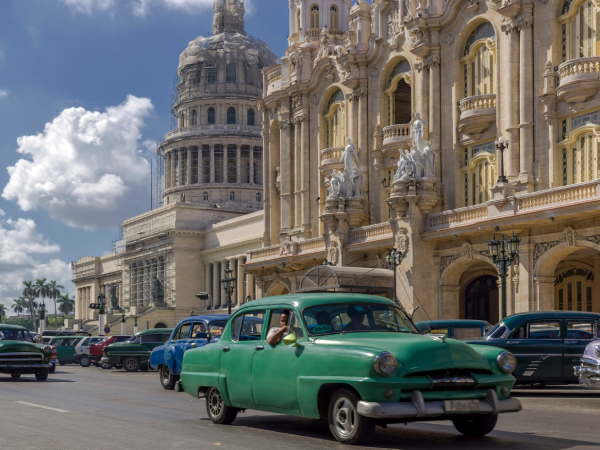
x: 157, y: 357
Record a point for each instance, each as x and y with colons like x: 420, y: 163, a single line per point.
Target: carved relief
x: 402, y: 240
x: 333, y: 256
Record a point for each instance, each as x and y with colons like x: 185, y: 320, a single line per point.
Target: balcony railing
x: 371, y: 233
x: 565, y: 195
x: 330, y: 155
x: 294, y: 38
x: 456, y: 217
x: 477, y: 102
x: 208, y: 130
x: 477, y: 113
x: 578, y: 67
x: 578, y: 79
x: 314, y: 245
x: 397, y: 133
x: 311, y: 245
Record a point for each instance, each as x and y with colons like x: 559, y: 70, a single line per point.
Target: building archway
x: 481, y: 299
x: 160, y: 325
x: 278, y: 289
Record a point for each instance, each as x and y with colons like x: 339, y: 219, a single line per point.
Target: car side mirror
x: 291, y: 339
x: 193, y: 345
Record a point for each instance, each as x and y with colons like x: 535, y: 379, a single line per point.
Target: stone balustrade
x: 313, y: 32
x: 311, y: 245
x: 477, y: 113
x: 294, y: 38
x: 336, y: 32
x: 477, y: 102
x: 578, y: 79
x: 211, y: 130
x: 333, y: 153
x: 565, y: 195
x: 577, y: 67
x: 270, y: 252
x: 461, y: 216
x: 371, y: 233
x: 397, y: 133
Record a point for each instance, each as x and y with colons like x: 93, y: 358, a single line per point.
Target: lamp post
x: 135, y: 328
x: 123, y: 330
x: 228, y: 285
x: 42, y: 318
x: 394, y: 258
x: 102, y: 302
x: 498, y: 252
x: 502, y: 144
x: 248, y: 298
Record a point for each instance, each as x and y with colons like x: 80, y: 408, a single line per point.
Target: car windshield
x: 216, y: 328
x: 133, y: 338
x: 497, y: 332
x: 14, y: 335
x: 355, y: 317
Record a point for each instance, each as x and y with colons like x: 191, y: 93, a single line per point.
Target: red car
x: 96, y: 350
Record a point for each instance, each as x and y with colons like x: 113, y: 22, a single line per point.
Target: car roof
x: 302, y: 301
x: 55, y: 338
x: 206, y: 318
x: 453, y: 323
x: 154, y: 330
x: 517, y: 319
x: 7, y: 326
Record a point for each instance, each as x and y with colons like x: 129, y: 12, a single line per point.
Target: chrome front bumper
x: 418, y: 407
x: 588, y: 376
x: 24, y: 366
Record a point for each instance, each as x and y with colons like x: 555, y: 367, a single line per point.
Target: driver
x: 357, y: 317
x: 276, y: 334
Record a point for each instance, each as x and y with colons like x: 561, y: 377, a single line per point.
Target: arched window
x: 335, y: 120
x: 232, y: 195
x: 250, y: 119
x: 333, y: 18
x: 479, y: 172
x: 194, y: 117
x: 478, y: 62
x: 230, y: 73
x: 211, y: 116
x: 399, y: 94
x: 298, y: 20
x: 573, y: 289
x: 231, y: 116
x: 258, y: 197
x: 578, y: 30
x: 579, y: 149
x: 314, y: 16
x: 181, y: 120
x: 205, y: 196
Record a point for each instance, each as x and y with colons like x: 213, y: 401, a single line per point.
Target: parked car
x: 97, y: 349
x: 189, y: 333
x: 82, y: 350
x: 65, y: 346
x: 53, y: 358
x: 134, y: 353
x: 548, y: 345
x: 355, y: 360
x: 19, y: 354
x: 588, y: 371
x: 455, y: 329
x: 47, y: 335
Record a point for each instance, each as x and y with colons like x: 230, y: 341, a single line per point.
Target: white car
x: 82, y: 351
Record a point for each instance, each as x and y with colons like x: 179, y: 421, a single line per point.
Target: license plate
x: 461, y: 406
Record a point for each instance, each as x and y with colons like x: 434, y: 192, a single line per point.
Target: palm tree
x: 19, y: 306
x: 29, y: 294
x: 2, y: 311
x: 41, y: 290
x: 54, y: 293
x: 66, y: 304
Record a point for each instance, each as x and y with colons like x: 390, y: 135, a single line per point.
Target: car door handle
x: 513, y: 342
x: 259, y: 347
x: 571, y: 342
x: 225, y: 349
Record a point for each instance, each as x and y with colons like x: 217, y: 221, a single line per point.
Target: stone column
x: 221, y: 287
x: 526, y: 96
x: 173, y: 176
x: 353, y: 117
x: 298, y: 172
x: 554, y: 161
x: 305, y: 152
x: 208, y: 283
x: 251, y: 171
x: 250, y: 286
x: 238, y: 168
x: 225, y: 148
x: 216, y: 291
x: 77, y: 304
x: 596, y: 290
x: 286, y: 200
x: 211, y: 151
x: 544, y: 289
x: 511, y: 157
x: 181, y: 171
x: 167, y: 168
x: 189, y: 166
x: 240, y: 286
x: 435, y: 119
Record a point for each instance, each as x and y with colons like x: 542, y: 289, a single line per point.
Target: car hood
x: 19, y: 346
x: 417, y: 353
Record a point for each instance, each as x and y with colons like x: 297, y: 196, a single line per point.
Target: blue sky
x: 78, y: 168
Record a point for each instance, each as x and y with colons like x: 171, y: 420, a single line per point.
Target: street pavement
x: 91, y: 408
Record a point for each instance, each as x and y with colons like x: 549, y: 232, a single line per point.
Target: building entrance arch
x: 481, y: 299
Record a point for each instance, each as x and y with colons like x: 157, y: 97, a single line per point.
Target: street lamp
x: 498, y: 251
x: 394, y: 258
x: 326, y: 263
x: 502, y: 144
x: 192, y: 313
x: 228, y: 285
x: 248, y: 299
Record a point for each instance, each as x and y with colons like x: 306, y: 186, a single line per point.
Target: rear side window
x: 466, y: 333
x: 443, y: 331
x: 538, y: 330
x: 151, y: 338
x: 120, y: 339
x: 581, y: 330
x: 86, y: 342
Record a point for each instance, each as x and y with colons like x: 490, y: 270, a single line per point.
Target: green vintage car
x: 355, y: 360
x: 20, y: 355
x: 134, y: 353
x: 65, y: 347
x: 547, y: 344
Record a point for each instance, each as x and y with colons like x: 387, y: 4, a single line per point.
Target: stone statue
x: 346, y: 182
x: 350, y: 160
x: 417, y: 162
x: 428, y: 161
x: 335, y: 185
x: 418, y: 132
x: 357, y: 181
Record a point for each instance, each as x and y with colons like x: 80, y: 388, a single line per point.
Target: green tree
x: 41, y: 290
x: 2, y: 311
x: 19, y: 306
x: 29, y: 294
x: 54, y: 293
x: 66, y: 304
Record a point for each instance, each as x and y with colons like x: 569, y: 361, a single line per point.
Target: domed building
x: 214, y: 157
x: 211, y: 213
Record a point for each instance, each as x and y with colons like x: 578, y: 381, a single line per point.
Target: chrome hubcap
x: 166, y: 375
x: 131, y: 364
x: 215, y: 402
x: 344, y: 416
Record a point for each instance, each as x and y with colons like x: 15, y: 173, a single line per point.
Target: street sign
x: 107, y: 329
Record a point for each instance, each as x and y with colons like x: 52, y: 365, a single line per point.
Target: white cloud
x: 89, y: 6
x: 3, y: 93
x: 85, y: 169
x: 20, y: 249
x: 141, y: 7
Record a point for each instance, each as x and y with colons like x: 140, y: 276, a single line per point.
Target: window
x: 194, y: 151
x: 580, y: 149
x: 211, y: 116
x: 538, y: 330
x: 334, y: 22
x: 497, y: 332
x: 479, y: 172
x: 467, y: 333
x: 230, y: 73
x: 205, y: 196
x: 194, y: 117
x: 314, y: 16
x: 257, y: 162
x: 298, y: 20
x: 573, y: 289
x: 578, y: 32
x: 581, y: 330
x: 119, y: 339
x: 153, y: 338
x: 258, y: 197
x: 443, y: 331
x: 245, y: 164
x: 250, y: 118
x: 231, y: 163
x: 399, y: 94
x: 211, y: 75
x: 479, y: 61
x: 86, y: 342
x: 335, y: 119
x: 292, y: 322
x: 206, y: 165
x: 248, y: 327
x: 232, y: 195
x: 218, y: 163
x: 182, y: 332
x: 231, y: 116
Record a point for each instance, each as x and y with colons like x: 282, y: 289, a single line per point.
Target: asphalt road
x: 100, y: 409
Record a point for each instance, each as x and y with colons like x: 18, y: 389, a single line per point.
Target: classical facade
x: 211, y: 212
x: 379, y: 130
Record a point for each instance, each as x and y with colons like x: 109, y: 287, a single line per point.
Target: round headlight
x: 385, y: 364
x: 507, y: 362
x: 47, y: 349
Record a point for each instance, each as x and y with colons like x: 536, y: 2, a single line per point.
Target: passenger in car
x: 357, y: 317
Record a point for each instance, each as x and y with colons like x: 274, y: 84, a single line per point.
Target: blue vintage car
x: 192, y: 332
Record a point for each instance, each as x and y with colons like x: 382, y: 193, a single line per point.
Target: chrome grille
x: 20, y: 357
